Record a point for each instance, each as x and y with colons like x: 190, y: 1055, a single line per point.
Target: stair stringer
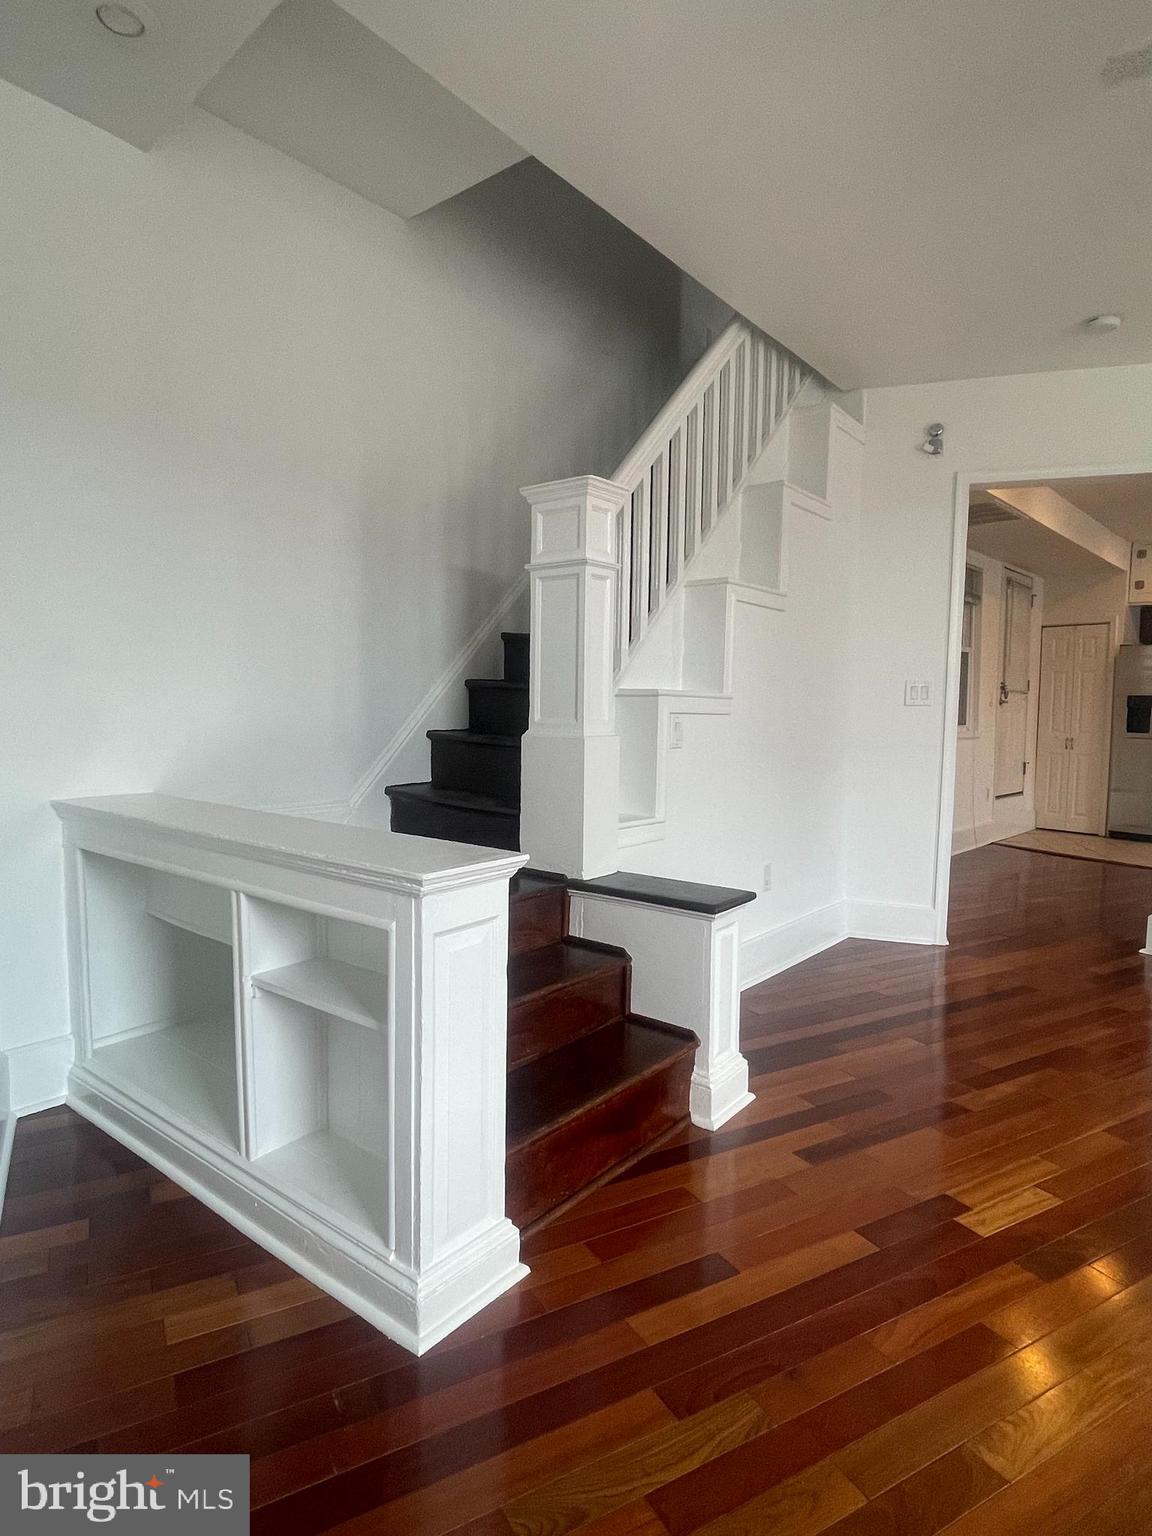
x: 685, y: 666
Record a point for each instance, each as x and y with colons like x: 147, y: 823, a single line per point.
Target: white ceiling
x: 321, y: 87
x: 899, y: 190
x: 133, y: 87
x: 1031, y: 547
x: 1121, y: 502
x: 304, y: 76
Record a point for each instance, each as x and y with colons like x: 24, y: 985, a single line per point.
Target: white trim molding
x: 763, y: 955
x: 38, y: 1074
x: 894, y: 922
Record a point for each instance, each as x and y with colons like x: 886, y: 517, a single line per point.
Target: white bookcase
x: 304, y: 1024
x: 161, y: 989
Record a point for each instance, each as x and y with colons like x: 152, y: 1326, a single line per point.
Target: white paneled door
x: 1072, y: 739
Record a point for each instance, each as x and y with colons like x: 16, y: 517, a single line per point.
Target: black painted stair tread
x: 545, y: 1093
x: 457, y: 799
x: 557, y: 966
x: 530, y: 882
x: 478, y: 738
x: 496, y: 683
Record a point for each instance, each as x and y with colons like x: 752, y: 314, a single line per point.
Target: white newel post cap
x: 574, y: 520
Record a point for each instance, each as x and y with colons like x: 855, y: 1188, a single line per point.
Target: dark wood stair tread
x: 540, y: 971
x: 544, y: 1093
x: 496, y: 683
x: 479, y: 738
x: 530, y: 882
x: 458, y: 799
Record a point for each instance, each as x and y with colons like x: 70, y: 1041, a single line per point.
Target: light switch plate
x: 917, y: 693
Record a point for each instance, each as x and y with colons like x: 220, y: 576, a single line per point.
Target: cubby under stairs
x: 474, y: 793
x: 591, y: 1085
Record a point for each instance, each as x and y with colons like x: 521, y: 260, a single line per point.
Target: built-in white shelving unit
x: 304, y: 1024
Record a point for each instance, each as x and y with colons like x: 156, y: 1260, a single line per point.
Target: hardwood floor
x: 1077, y: 845
x: 909, y: 1290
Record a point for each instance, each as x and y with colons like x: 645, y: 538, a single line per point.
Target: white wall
x: 766, y: 784
x: 1094, y: 421
x: 260, y: 450
x: 1104, y: 601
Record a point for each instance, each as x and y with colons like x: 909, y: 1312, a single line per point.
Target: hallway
x: 909, y: 1290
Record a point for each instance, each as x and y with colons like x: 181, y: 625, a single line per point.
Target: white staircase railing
x: 689, y: 464
x: 606, y: 556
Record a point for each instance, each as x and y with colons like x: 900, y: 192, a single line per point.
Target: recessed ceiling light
x: 119, y: 19
x: 1099, y: 325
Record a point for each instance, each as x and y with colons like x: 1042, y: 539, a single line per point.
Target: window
x: 969, y: 650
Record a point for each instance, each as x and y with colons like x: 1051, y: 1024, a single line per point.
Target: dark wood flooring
x: 909, y: 1290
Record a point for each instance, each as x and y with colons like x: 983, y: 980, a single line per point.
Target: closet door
x: 1072, y: 741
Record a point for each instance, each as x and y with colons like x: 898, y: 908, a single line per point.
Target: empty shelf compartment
x: 334, y: 987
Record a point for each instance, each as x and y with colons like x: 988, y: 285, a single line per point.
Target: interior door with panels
x: 1072, y: 741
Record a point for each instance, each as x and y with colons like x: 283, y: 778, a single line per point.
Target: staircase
x: 590, y: 1085
x: 474, y: 793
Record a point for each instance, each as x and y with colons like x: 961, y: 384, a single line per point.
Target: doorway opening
x: 1048, y: 663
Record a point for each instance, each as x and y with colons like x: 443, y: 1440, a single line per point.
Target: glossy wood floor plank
x: 909, y: 1290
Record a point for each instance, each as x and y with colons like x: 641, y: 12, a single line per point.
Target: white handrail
x: 689, y: 464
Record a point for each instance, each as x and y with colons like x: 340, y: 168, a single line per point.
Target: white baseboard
x: 965, y: 839
x: 766, y: 954
x: 896, y: 922
x: 452, y: 677
x: 7, y: 1136
x: 38, y: 1074
x: 416, y: 1313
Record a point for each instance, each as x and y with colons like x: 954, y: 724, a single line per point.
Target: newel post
x: 569, y: 819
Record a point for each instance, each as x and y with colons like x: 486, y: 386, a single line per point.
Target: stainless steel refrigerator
x: 1130, y: 783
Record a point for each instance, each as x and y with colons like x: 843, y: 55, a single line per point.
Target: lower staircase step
x: 454, y: 814
x: 580, y: 1111
x: 497, y: 706
x: 537, y: 911
x: 560, y: 992
x: 477, y: 762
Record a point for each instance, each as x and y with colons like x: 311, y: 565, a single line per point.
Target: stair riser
x: 515, y: 658
x: 549, y: 1171
x: 542, y: 1024
x: 455, y: 825
x: 536, y: 921
x: 497, y: 711
x: 477, y: 768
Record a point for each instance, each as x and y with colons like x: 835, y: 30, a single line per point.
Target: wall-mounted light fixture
x: 933, y: 438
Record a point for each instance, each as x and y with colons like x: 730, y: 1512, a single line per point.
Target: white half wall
x: 1024, y: 427
x: 261, y: 444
